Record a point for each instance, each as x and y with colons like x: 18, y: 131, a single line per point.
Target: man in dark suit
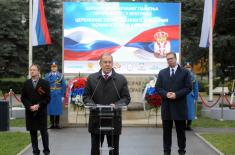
x: 173, y: 84
x: 106, y: 87
x: 35, y: 97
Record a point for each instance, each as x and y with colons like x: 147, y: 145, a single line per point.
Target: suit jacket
x: 101, y: 91
x: 31, y: 96
x: 180, y: 83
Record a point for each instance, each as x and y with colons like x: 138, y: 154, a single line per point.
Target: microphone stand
x: 105, y: 112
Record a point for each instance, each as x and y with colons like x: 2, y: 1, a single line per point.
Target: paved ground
x: 133, y: 141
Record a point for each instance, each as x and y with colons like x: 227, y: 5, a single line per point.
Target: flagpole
x: 211, y: 55
x: 30, y: 35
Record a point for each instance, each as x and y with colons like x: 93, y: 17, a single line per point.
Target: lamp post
x: 23, y: 21
x: 30, y: 35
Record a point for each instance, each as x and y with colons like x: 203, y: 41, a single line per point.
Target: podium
x: 105, y: 115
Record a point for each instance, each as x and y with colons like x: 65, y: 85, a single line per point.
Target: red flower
x: 80, y: 83
x: 154, y: 100
x: 74, y: 85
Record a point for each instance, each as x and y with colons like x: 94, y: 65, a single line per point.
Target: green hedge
x: 16, y: 86
x: 203, y: 86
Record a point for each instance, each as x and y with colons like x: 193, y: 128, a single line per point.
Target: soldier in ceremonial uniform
x: 191, y: 98
x: 58, y: 88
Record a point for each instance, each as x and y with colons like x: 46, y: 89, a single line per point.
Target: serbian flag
x: 146, y: 39
x: 40, y: 34
x: 209, y: 6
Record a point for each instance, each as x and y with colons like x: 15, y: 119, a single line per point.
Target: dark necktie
x: 34, y: 84
x: 172, y: 72
x: 106, y: 76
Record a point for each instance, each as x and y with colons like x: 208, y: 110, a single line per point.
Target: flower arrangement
x: 150, y: 95
x: 153, y: 99
x: 77, y: 91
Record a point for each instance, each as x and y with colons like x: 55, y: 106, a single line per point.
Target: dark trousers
x: 189, y: 122
x: 34, y: 141
x: 54, y: 120
x: 167, y: 135
x: 96, y: 140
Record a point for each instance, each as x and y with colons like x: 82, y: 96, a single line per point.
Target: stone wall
x: 136, y: 86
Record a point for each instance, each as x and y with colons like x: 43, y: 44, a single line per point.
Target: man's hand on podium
x: 113, y: 105
x: 118, y: 105
x: 92, y: 105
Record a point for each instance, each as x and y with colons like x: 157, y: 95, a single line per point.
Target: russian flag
x: 209, y: 6
x: 40, y: 34
x: 84, y: 44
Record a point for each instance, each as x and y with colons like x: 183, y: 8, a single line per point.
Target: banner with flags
x: 137, y: 35
x: 40, y: 33
x: 209, y: 10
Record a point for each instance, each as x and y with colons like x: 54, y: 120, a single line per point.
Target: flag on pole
x: 209, y: 10
x: 40, y: 33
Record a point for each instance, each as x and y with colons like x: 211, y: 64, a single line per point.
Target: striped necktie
x: 106, y: 76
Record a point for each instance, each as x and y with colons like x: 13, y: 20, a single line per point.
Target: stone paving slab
x: 133, y: 141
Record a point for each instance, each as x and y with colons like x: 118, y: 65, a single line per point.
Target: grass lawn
x: 222, y: 141
x: 12, y: 143
x: 18, y: 122
x: 200, y: 122
x: 212, y: 123
x: 205, y: 122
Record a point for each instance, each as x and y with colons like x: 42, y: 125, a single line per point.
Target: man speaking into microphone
x: 106, y: 87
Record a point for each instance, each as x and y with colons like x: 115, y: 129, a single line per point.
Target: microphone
x: 120, y: 104
x: 95, y: 88
x: 116, y: 89
x: 231, y: 67
x: 35, y: 113
x: 93, y: 104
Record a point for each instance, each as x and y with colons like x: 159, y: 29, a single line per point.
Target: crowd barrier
x: 206, y: 104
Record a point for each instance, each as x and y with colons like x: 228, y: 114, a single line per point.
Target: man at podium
x: 107, y: 88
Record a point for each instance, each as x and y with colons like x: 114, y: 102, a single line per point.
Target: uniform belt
x: 55, y: 88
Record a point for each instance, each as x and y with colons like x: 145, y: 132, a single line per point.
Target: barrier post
x: 195, y: 104
x: 232, y: 92
x: 222, y: 105
x: 10, y: 103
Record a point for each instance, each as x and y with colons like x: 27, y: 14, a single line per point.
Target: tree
x: 191, y: 26
x: 45, y: 54
x: 13, y: 38
x: 14, y: 35
x: 223, y: 38
x: 224, y: 42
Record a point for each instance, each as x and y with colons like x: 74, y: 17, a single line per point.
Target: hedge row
x: 16, y: 86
